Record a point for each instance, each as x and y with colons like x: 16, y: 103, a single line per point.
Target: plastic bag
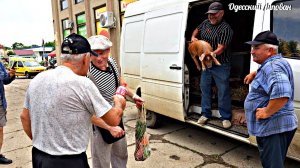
x: 142, y: 148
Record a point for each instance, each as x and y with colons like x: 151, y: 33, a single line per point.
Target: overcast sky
x: 25, y: 21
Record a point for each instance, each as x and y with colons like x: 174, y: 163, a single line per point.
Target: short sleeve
x: 95, y: 102
x: 279, y: 85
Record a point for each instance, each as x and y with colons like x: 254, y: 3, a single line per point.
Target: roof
x: 41, y: 49
x: 24, y: 52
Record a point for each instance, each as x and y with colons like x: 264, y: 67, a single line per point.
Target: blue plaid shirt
x: 274, y: 79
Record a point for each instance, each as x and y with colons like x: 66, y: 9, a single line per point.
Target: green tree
x: 50, y: 44
x: 293, y: 47
x: 16, y: 46
x: 10, y: 52
x: 284, y: 48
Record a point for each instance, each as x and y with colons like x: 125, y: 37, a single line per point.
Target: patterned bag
x: 142, y: 148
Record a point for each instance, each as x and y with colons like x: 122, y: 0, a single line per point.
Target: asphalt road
x: 174, y: 144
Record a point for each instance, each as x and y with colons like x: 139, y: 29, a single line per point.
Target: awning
x: 52, y: 54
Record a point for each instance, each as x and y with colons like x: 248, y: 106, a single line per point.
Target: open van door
x: 161, y: 63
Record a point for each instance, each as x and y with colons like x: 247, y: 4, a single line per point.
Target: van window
x: 162, y: 28
x: 133, y: 41
x: 31, y: 64
x: 286, y: 26
x: 20, y: 64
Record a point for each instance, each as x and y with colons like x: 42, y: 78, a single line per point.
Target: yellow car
x: 26, y: 66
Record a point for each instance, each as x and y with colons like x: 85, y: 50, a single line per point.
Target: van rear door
x: 162, y: 60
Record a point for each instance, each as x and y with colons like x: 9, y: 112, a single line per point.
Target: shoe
x: 226, y: 124
x: 4, y: 160
x: 202, y: 120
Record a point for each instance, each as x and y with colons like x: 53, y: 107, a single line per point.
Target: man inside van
x: 269, y: 105
x: 218, y: 33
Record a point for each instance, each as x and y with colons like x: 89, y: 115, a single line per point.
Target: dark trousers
x: 273, y: 149
x: 43, y: 160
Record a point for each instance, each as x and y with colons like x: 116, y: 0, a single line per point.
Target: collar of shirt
x: 278, y: 56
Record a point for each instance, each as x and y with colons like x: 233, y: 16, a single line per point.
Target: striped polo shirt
x: 105, y: 80
x: 217, y: 34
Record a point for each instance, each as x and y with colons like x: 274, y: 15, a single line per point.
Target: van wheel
x: 27, y: 75
x: 153, y: 119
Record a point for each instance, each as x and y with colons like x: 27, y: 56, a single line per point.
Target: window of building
x: 63, y: 4
x: 78, y: 1
x: 81, y: 24
x: 66, y: 27
x: 285, y: 23
x: 98, y: 11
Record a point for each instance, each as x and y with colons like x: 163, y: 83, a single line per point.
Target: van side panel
x: 131, y: 50
x: 162, y: 63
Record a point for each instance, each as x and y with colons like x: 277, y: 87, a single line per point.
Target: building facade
x: 83, y: 17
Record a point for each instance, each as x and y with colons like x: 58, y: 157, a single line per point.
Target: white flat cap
x: 99, y: 42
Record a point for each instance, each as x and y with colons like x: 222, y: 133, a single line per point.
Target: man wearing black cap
x: 269, y: 105
x: 58, y: 107
x: 218, y: 33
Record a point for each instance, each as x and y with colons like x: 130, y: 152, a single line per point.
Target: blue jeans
x: 221, y: 76
x: 272, y: 149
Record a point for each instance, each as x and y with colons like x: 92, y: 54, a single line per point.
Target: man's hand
x: 261, y: 113
x: 116, y: 131
x: 11, y: 72
x: 249, y: 78
x: 119, y: 101
x: 194, y: 39
x: 138, y: 101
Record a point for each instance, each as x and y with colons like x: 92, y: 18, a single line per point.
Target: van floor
x: 217, y: 123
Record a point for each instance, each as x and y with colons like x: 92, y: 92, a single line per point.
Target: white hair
x: 275, y: 47
x: 73, y: 57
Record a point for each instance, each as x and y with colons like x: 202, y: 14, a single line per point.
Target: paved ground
x: 175, y: 144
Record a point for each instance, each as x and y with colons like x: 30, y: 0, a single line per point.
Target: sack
x: 142, y: 148
x: 107, y: 137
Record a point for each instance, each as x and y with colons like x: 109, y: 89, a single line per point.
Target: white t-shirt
x: 61, y: 104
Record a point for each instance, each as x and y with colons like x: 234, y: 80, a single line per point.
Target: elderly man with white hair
x: 269, y: 105
x: 59, y: 105
x: 104, y: 72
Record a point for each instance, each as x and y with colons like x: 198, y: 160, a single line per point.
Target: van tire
x: 27, y: 75
x: 153, y: 119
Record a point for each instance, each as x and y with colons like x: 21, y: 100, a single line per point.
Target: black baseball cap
x: 76, y: 44
x: 265, y: 37
x: 214, y: 7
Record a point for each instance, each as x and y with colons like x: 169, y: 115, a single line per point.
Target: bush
x: 42, y: 63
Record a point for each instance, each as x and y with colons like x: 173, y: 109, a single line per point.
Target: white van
x: 156, y: 64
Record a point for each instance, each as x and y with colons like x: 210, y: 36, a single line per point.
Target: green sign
x: 67, y: 32
x: 82, y: 31
x: 81, y: 19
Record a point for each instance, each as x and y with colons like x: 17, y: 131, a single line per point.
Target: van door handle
x: 174, y: 66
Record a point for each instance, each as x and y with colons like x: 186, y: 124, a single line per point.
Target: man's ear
x: 222, y: 13
x: 86, y: 59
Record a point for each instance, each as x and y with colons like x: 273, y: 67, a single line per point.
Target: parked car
x: 26, y: 66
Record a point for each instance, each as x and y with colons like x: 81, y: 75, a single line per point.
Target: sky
x: 25, y: 21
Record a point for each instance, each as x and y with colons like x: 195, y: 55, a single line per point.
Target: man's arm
x: 220, y: 49
x: 194, y: 35
x: 273, y: 106
x: 25, y: 118
x: 114, y: 115
x: 249, y: 78
x: 137, y: 99
x: 115, y: 131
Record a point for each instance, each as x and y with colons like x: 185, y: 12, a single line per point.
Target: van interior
x: 242, y: 24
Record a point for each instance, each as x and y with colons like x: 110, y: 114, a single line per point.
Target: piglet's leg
x: 196, y: 62
x: 213, y: 56
x: 201, y: 58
